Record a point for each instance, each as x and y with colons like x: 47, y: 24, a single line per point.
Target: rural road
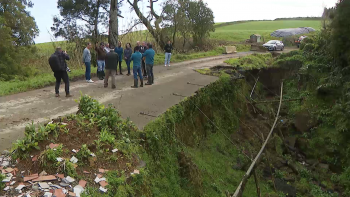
x: 40, y: 106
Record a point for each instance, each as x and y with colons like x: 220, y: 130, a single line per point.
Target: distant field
x: 242, y: 31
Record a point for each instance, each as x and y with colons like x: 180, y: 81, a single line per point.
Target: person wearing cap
x: 112, y: 59
x: 149, y: 54
x: 136, y: 58
x: 58, y: 66
x: 101, y: 55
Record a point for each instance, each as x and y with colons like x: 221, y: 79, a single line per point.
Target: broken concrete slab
x: 230, y: 49
x: 74, y: 160
x: 61, y: 176
x: 44, y: 185
x: 78, y: 190
x: 64, y: 184
x: 136, y: 171
x: 71, y: 194
x: 43, y: 173
x: 20, y: 187
x: 114, y: 150
x: 68, y: 179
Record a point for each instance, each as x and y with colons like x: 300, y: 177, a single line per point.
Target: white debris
x: 7, y: 179
x: 23, y: 172
x: 103, y: 189
x: 73, y: 160
x: 114, y: 150
x: 43, y: 173
x: 44, y: 185
x: 70, y: 179
x: 97, y: 180
x: 19, y: 187
x: 6, y: 188
x: 50, y: 122
x: 93, y: 155
x: 74, y: 151
x: 59, y: 159
x: 5, y: 163
x: 63, y: 123
x: 78, y: 190
x: 13, y: 182
x: 48, y: 194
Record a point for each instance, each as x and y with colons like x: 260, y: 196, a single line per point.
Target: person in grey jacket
x: 87, y: 62
x: 127, y: 56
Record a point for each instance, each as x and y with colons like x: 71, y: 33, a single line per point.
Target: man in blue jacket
x: 149, y: 54
x: 136, y: 58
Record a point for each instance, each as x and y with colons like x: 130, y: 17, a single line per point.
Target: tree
x: 113, y: 23
x: 22, y: 25
x: 92, y: 12
x: 340, y: 33
x: 155, y: 30
x: 201, y: 20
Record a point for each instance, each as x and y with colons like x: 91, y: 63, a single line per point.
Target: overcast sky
x: 224, y: 11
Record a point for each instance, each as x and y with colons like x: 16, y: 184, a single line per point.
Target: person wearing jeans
x: 168, y: 48
x: 149, y: 54
x: 87, y: 62
x: 136, y: 58
x: 127, y: 56
x: 101, y: 55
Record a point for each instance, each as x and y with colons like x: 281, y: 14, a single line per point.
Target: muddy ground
x: 40, y: 106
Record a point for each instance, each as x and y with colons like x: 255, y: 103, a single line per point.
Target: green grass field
x: 242, y: 31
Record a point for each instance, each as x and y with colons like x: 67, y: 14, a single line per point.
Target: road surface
x: 41, y: 105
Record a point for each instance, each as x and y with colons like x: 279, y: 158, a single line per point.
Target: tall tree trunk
x: 113, y: 23
x: 97, y: 12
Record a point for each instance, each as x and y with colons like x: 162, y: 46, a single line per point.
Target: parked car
x: 298, y: 42
x: 274, y: 45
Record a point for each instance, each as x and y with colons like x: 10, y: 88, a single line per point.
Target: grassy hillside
x: 242, y: 31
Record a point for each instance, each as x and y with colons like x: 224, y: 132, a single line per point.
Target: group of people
x: 108, y: 59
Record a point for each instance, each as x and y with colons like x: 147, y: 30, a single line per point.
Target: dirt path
x: 40, y: 106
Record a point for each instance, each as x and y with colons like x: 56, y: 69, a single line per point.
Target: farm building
x: 255, y: 38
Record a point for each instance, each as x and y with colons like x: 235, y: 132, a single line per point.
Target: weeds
x: 49, y: 156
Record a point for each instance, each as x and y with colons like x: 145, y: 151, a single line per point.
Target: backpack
x: 55, y: 63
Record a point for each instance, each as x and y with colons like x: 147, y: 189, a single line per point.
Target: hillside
x: 241, y: 31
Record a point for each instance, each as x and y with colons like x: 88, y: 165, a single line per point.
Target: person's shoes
x: 90, y: 81
x: 114, y: 87
x: 121, y: 73
x: 135, y: 84
x: 69, y: 95
x: 106, y: 85
x: 141, y: 83
x: 169, y: 65
x: 165, y: 65
x: 148, y: 84
x: 57, y: 95
x: 128, y: 74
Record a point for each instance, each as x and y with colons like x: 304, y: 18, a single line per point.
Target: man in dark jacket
x: 101, y: 55
x: 58, y: 66
x: 168, y: 48
x: 143, y: 48
x: 112, y: 59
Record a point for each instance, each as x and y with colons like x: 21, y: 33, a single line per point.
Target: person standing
x: 101, y: 55
x: 58, y: 66
x: 127, y: 56
x: 142, y: 50
x: 87, y: 62
x: 149, y: 54
x: 168, y: 48
x: 119, y: 51
x: 112, y: 59
x: 107, y: 49
x: 136, y: 58
x: 137, y: 45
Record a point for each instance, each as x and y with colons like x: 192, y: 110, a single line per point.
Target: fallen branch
x: 240, y: 188
x: 275, y: 101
